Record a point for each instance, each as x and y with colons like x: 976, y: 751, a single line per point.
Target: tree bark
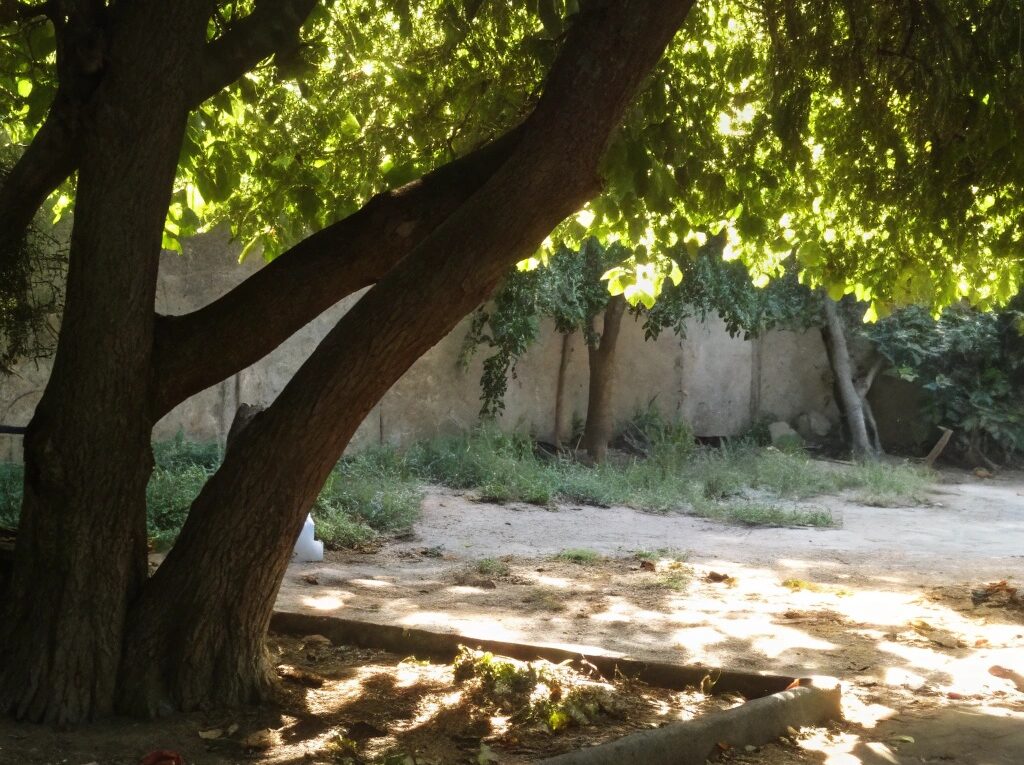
x: 600, y: 401
x: 201, y: 348
x: 842, y: 367
x: 81, y: 546
x: 195, y: 635
x: 563, y: 370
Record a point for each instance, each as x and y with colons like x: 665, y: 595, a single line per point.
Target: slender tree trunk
x: 600, y: 401
x: 563, y: 371
x: 195, y: 636
x: 842, y: 368
x: 81, y: 548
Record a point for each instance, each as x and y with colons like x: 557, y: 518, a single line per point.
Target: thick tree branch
x: 254, y: 504
x: 201, y: 348
x: 51, y: 157
x: 273, y: 26
x: 45, y: 164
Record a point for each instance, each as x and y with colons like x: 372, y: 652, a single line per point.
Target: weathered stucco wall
x: 717, y: 383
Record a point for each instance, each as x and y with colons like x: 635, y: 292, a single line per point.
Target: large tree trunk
x: 81, y: 551
x: 600, y: 401
x: 854, y: 405
x: 194, y: 637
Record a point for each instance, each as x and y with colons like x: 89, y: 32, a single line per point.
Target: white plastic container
x: 307, y: 549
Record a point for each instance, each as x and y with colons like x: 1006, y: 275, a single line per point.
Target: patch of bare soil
x: 344, y: 705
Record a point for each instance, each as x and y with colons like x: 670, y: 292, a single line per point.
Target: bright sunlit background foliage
x: 876, y: 143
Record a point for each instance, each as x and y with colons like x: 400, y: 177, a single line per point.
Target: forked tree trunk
x: 600, y: 401
x: 195, y: 636
x: 81, y: 552
x: 856, y: 410
x: 563, y: 372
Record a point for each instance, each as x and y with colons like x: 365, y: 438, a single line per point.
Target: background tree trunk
x: 600, y: 410
x: 850, y: 399
x: 563, y: 370
x: 81, y: 546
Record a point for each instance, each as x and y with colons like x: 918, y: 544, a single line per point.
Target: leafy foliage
x: 970, y: 362
x: 569, y: 290
x: 874, y: 142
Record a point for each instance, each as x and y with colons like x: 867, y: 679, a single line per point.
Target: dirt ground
x: 884, y: 602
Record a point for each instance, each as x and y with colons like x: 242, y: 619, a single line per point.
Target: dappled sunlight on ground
x: 905, y: 650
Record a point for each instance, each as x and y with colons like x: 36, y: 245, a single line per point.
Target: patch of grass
x: 364, y: 497
x: 543, y: 599
x: 492, y: 567
x: 11, y: 477
x: 886, y: 485
x: 580, y: 556
x: 501, y: 467
x: 180, y: 453
x: 676, y: 581
x: 748, y: 513
x: 169, y: 495
x: 662, y: 553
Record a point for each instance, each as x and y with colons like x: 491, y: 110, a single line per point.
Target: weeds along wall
x: 716, y: 383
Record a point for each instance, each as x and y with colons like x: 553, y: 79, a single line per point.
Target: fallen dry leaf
x: 1008, y: 674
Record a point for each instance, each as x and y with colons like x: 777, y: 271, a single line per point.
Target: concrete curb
x: 694, y: 742
x: 444, y: 646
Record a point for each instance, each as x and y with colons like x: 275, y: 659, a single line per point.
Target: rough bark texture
x: 195, y: 636
x: 598, y: 430
x: 81, y: 551
x: 842, y: 367
x: 563, y: 370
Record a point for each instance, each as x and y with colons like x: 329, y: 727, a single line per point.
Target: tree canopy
x: 872, y: 142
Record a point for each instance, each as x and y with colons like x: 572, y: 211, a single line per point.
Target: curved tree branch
x: 199, y: 349
x: 52, y: 157
x: 252, y: 505
x: 45, y: 164
x: 272, y: 27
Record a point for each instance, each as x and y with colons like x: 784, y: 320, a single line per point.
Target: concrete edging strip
x: 444, y: 646
x: 694, y: 742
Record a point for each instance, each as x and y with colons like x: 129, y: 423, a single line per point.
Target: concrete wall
x: 717, y: 383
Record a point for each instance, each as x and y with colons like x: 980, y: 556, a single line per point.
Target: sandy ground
x: 883, y: 602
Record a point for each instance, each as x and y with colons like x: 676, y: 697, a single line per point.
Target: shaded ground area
x: 884, y: 602
x: 345, y: 705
